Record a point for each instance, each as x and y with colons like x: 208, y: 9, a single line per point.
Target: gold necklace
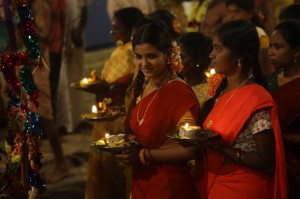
x: 140, y: 121
x: 210, y: 122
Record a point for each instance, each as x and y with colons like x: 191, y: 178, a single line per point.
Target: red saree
x: 287, y: 98
x: 234, y: 181
x: 158, y: 181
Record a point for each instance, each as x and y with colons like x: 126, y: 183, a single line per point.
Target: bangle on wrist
x: 150, y: 156
x: 240, y: 155
x: 142, y: 157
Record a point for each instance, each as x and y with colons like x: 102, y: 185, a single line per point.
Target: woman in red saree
x: 247, y: 161
x: 161, y: 103
x: 284, y: 55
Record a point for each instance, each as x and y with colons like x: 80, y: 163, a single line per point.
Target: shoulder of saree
x: 182, y: 96
x: 254, y: 97
x: 291, y: 87
x: 242, y: 105
x: 287, y: 98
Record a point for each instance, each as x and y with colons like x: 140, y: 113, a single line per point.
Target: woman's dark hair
x: 198, y: 47
x: 128, y: 16
x: 291, y: 12
x: 248, y: 6
x: 153, y: 34
x: 157, y: 36
x: 241, y: 38
x: 290, y: 31
x: 165, y: 18
x: 143, y: 21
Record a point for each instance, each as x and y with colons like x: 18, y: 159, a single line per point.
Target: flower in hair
x: 214, y: 82
x: 175, y: 59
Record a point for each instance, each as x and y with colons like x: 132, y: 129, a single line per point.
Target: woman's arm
x: 171, y: 155
x: 175, y: 154
x: 262, y: 160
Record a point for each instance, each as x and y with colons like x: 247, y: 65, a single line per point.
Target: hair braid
x: 258, y: 76
x: 137, y: 90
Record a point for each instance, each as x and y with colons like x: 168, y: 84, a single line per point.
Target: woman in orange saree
x: 247, y: 161
x: 284, y: 55
x: 161, y: 103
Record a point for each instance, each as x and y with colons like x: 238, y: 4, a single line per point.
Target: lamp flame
x: 94, y: 109
x: 85, y: 80
x: 212, y: 71
x: 186, y: 126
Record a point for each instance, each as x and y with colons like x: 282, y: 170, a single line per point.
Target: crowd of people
x: 161, y: 72
x: 255, y: 155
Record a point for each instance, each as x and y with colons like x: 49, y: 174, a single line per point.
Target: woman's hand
x: 130, y: 157
x: 209, y: 143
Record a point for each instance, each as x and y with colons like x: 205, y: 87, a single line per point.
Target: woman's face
x: 236, y: 13
x: 151, y: 61
x: 280, y: 53
x: 187, y: 62
x: 119, y: 31
x: 221, y: 59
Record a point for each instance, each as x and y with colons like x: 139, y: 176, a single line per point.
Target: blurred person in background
x: 69, y: 108
x: 206, y: 16
x: 41, y: 11
x: 195, y: 50
x: 55, y: 45
x: 145, y: 6
x: 245, y: 10
x: 290, y: 12
x: 176, y: 8
x: 284, y: 54
x: 168, y: 20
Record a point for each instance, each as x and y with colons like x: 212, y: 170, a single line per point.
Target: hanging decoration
x: 23, y: 162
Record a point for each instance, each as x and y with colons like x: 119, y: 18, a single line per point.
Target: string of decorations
x: 23, y: 141
x: 28, y: 29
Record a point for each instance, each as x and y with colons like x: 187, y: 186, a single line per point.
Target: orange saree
x: 158, y: 181
x: 235, y: 181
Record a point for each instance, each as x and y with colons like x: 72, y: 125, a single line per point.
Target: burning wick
x: 94, y: 109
